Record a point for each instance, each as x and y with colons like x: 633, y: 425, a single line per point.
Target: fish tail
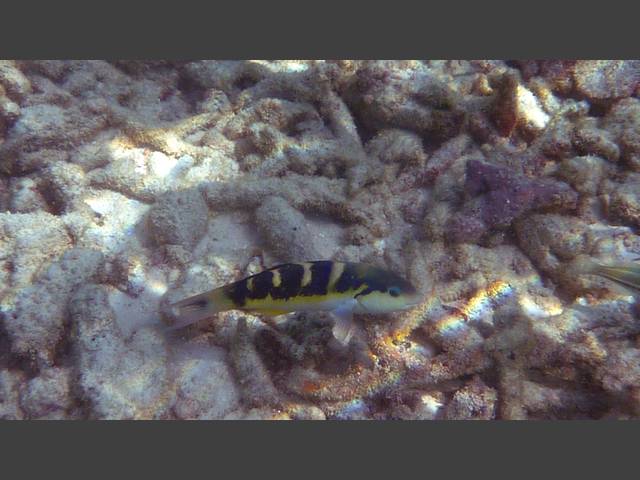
x: 621, y: 275
x: 193, y: 309
x: 625, y: 276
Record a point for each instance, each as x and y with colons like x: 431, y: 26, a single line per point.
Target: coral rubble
x: 125, y: 186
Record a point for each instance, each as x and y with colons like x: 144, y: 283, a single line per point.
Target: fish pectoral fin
x: 344, y: 327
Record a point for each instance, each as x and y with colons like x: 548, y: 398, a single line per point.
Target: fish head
x: 393, y: 294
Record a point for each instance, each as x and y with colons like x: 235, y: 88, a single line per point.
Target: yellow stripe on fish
x: 306, y: 277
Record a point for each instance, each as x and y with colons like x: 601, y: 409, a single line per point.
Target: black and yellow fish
x: 340, y: 288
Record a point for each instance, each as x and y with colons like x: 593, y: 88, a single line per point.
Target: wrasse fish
x: 626, y: 274
x: 340, y: 288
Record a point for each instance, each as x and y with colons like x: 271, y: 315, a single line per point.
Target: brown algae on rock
x: 128, y: 186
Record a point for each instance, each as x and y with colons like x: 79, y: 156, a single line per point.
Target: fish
x: 341, y: 288
x: 626, y: 274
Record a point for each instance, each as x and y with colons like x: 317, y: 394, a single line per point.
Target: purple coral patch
x: 498, y: 197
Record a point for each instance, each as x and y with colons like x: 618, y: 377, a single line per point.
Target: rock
x: 621, y: 370
x: 63, y: 186
x: 137, y: 174
x: 286, y: 231
x: 122, y: 379
x: 47, y: 395
x: 256, y: 387
x: 10, y: 382
x: 25, y: 197
x: 474, y: 401
x: 9, y: 113
x: 29, y: 240
x: 257, y: 414
x: 96, y: 154
x: 51, y: 126
x: 443, y: 158
x: 13, y: 80
x: 623, y: 202
x: 622, y: 121
x: 500, y: 197
x: 540, y: 239
x: 403, y: 95
x: 4, y: 194
x: 205, y: 388
x: 179, y: 218
x: 307, y: 412
x: 36, y: 324
x: 559, y: 74
x: 53, y: 69
x: 228, y: 76
x: 516, y: 106
x: 21, y: 163
x: 397, y: 146
x: 607, y: 79
x: 114, y: 224
x: 588, y: 139
x: 584, y: 174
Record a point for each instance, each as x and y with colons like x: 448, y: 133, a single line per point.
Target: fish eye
x: 394, y: 291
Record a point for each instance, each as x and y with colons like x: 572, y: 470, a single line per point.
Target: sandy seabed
x: 125, y: 186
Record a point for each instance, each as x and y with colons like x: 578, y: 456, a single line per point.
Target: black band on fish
x: 320, y: 274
